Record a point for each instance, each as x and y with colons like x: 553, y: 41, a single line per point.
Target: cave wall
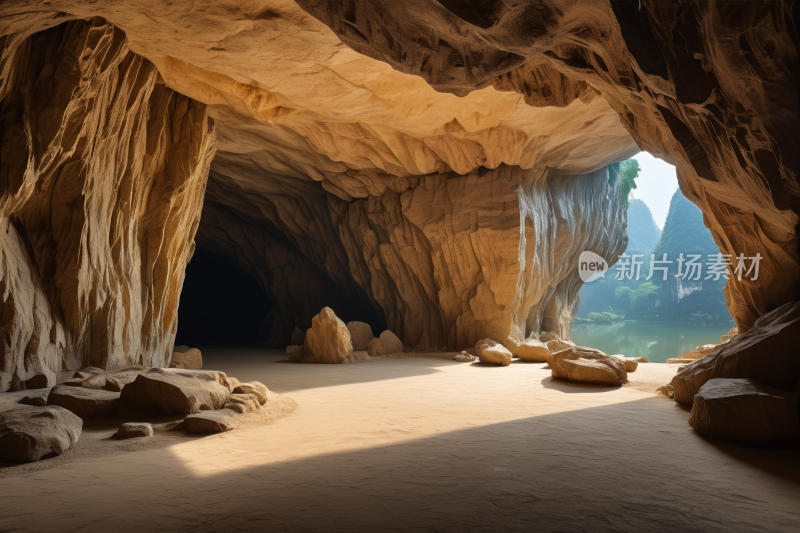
x: 102, y: 177
x: 709, y: 86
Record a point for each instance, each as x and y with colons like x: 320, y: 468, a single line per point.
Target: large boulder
x: 391, y: 343
x: 328, y: 339
x: 766, y: 353
x: 174, y: 391
x: 31, y: 433
x: 360, y: 335
x: 187, y: 358
x: 744, y: 410
x: 492, y: 352
x: 86, y: 403
x: 533, y: 350
x: 588, y: 366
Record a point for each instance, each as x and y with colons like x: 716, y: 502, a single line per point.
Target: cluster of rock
x: 702, y: 351
x: 328, y: 340
x: 209, y: 400
x: 745, y: 389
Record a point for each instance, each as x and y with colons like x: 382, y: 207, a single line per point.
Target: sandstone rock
x: 641, y: 359
x: 328, y: 340
x: 391, y: 344
x: 187, y: 358
x: 587, y: 365
x: 744, y: 410
x: 360, y: 335
x: 666, y: 390
x: 356, y: 357
x: 548, y: 336
x: 41, y: 381
x: 489, y: 351
x: 375, y: 348
x: 216, y: 421
x: 31, y: 433
x: 291, y: 349
x: 557, y: 345
x: 679, y: 361
x: 512, y: 345
x: 464, y: 358
x: 731, y: 334
x: 36, y: 401
x: 174, y: 391
x: 767, y: 353
x: 243, y: 403
x: 130, y: 430
x: 86, y: 403
x: 533, y: 350
x: 630, y: 363
x: 298, y: 336
x: 256, y: 388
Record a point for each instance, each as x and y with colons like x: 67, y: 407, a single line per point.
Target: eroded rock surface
x: 31, y: 433
x: 489, y: 351
x: 187, y: 358
x: 173, y: 391
x: 84, y: 402
x: 587, y: 365
x: 328, y: 339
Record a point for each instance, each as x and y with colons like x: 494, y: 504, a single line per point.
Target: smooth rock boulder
x: 547, y: 336
x: 328, y: 339
x: 630, y: 363
x: 766, y: 353
x: 31, y: 433
x: 186, y: 358
x: 86, y: 403
x: 391, y: 343
x: 587, y: 365
x: 211, y: 421
x: 360, y: 335
x: 557, y: 345
x: 356, y: 357
x: 132, y: 430
x: 744, y: 410
x: 36, y: 401
x: 174, y: 391
x: 492, y: 352
x: 375, y: 348
x: 533, y: 350
x: 512, y: 345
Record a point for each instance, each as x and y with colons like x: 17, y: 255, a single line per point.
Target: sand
x: 423, y: 444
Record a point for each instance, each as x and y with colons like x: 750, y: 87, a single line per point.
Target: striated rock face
x: 102, y: 176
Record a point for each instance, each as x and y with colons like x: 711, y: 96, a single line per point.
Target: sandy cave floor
x: 418, y: 443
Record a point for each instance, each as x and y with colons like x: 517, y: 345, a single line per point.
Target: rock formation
x: 587, y: 366
x: 28, y: 434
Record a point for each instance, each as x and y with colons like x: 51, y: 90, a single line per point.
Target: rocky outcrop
x: 328, y: 340
x: 28, y: 434
x: 133, y: 430
x: 102, y: 175
x: 745, y: 411
x: 767, y: 353
x: 84, y: 402
x: 172, y: 391
x: 587, y: 366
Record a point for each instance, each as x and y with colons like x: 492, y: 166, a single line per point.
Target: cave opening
x: 220, y: 303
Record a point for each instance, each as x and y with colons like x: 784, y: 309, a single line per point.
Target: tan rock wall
x: 102, y: 177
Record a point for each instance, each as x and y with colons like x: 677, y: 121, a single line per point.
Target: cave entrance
x: 633, y: 312
x: 220, y: 304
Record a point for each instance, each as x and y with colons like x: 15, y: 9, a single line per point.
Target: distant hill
x: 643, y: 232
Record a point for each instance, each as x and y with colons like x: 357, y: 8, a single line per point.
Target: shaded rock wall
x: 102, y: 177
x: 710, y: 86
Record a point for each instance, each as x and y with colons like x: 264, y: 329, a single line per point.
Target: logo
x: 591, y: 267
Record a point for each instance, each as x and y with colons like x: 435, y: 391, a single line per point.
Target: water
x: 657, y: 340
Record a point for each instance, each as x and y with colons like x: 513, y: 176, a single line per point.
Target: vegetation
x: 605, y: 317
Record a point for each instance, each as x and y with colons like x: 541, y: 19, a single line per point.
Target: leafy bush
x: 605, y: 318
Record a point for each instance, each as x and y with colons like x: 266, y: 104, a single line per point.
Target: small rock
x: 254, y: 387
x: 360, y: 335
x: 375, y: 348
x: 464, y: 358
x: 391, y: 344
x: 36, y: 401
x: 86, y: 403
x: 587, y: 365
x: 533, y: 350
x: 630, y: 364
x: 489, y: 351
x: 744, y: 410
x: 679, y: 361
x: 328, y: 340
x: 31, y: 433
x: 186, y: 358
x: 130, y: 430
x: 291, y: 349
x: 211, y: 421
x: 665, y: 390
x: 356, y: 357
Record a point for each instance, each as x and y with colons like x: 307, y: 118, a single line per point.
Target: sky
x: 655, y: 186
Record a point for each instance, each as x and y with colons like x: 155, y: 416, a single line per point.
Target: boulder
x: 766, y: 353
x: 36, y: 401
x: 630, y: 363
x: 641, y: 359
x: 31, y: 433
x: 254, y: 387
x: 556, y: 345
x: 298, y: 336
x: 86, y: 403
x: 211, y: 421
x: 375, y: 348
x: 356, y: 357
x: 328, y: 340
x: 95, y: 378
x: 175, y: 391
x: 391, y: 344
x: 186, y: 358
x: 533, y: 350
x: 744, y: 410
x: 512, y: 345
x: 489, y: 351
x: 131, y: 430
x: 588, y: 366
x: 547, y: 336
x: 360, y: 335
x: 464, y: 358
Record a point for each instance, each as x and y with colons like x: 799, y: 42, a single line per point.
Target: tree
x: 645, y: 296
x: 623, y: 296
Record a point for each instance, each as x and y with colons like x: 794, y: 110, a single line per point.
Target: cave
x: 301, y: 265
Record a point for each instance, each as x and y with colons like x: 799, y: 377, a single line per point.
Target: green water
x: 657, y: 340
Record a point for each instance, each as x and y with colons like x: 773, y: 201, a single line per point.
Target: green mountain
x: 643, y: 232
